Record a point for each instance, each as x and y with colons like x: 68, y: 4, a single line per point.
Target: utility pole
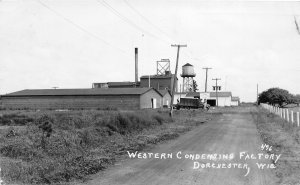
x: 136, y: 66
x: 173, y: 87
x: 217, y: 89
x: 206, y: 68
x: 257, y: 94
x: 149, y: 81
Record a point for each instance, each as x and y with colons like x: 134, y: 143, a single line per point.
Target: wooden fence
x: 286, y: 114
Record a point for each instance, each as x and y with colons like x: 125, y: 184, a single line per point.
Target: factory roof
x: 163, y: 92
x: 70, y: 92
x: 121, y: 83
x: 220, y: 94
x: 158, y: 76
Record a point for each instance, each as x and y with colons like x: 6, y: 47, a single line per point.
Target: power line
x: 147, y: 20
x: 79, y: 27
x: 114, y: 11
x: 296, y: 23
x: 128, y: 21
x: 131, y: 23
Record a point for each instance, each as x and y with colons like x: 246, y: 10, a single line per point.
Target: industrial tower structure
x: 188, y: 75
x: 163, y: 67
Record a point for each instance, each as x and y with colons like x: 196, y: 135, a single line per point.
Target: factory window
x: 218, y: 88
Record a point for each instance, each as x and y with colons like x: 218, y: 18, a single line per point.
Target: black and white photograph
x: 160, y: 92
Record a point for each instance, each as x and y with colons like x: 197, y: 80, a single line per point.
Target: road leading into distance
x: 234, y: 132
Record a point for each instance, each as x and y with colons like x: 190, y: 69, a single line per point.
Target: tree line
x: 278, y: 97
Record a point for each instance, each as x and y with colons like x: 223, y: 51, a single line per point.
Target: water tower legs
x: 188, y: 84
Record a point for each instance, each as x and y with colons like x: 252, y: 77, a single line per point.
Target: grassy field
x: 285, y: 139
x: 56, y: 147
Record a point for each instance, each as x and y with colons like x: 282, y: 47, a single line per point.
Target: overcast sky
x: 73, y: 43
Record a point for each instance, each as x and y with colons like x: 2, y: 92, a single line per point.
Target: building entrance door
x: 212, y: 102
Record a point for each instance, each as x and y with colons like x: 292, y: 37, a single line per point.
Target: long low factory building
x: 120, y: 98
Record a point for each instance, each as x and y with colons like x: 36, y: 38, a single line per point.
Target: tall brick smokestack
x: 136, y: 65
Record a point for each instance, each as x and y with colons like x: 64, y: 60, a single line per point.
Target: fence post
x: 280, y: 110
x: 298, y: 119
x: 287, y: 115
x: 292, y: 117
x: 283, y: 110
x: 272, y: 109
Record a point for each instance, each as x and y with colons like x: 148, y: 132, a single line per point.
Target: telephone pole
x: 206, y: 68
x: 217, y: 89
x: 173, y: 87
x: 257, y: 94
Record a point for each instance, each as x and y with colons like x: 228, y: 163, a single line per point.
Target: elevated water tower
x: 188, y: 75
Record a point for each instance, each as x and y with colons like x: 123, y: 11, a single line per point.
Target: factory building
x: 159, y: 82
x: 98, y: 98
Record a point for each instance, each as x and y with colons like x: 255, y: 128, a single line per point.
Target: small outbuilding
x: 97, y: 98
x: 166, y: 98
x: 235, y: 101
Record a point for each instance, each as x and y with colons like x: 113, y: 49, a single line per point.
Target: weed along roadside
x: 57, y: 147
x: 276, y: 131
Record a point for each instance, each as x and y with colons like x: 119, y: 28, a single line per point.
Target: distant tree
x: 296, y: 99
x: 195, y: 86
x: 276, y: 96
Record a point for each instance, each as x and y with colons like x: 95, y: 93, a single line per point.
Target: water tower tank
x: 188, y: 70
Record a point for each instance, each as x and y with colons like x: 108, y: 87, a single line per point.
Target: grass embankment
x: 285, y: 140
x: 57, y: 147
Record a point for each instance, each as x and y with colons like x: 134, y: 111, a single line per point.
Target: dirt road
x: 234, y: 132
